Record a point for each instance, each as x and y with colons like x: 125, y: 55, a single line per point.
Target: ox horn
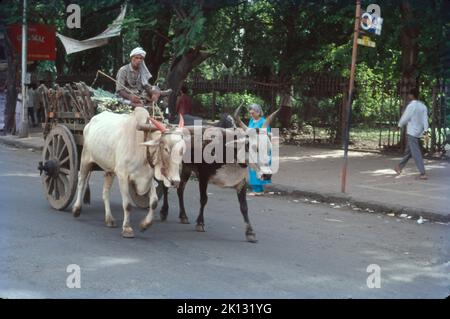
x: 270, y: 118
x: 158, y: 124
x: 181, y: 121
x: 237, y: 118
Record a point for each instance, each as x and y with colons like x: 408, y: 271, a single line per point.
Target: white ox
x: 117, y: 144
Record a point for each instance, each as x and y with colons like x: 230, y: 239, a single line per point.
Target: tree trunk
x: 179, y: 71
x: 410, y: 49
x: 286, y: 106
x: 11, y: 81
x: 410, y: 52
x: 265, y: 74
x: 289, y: 22
x: 60, y: 57
x: 154, y: 43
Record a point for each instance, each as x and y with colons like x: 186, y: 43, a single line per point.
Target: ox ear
x: 151, y: 143
x: 186, y: 133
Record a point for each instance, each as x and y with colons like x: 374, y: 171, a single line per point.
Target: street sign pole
x: 24, y: 129
x: 350, y: 95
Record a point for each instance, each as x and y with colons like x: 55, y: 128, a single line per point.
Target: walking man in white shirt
x: 415, y: 117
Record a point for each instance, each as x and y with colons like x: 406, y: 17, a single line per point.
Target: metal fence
x: 318, y: 112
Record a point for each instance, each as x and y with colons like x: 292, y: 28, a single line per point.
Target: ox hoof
x: 127, y: 232
x: 110, y: 222
x: 76, y: 211
x: 200, y: 228
x: 163, y: 215
x: 143, y: 225
x: 184, y: 220
x: 251, y: 237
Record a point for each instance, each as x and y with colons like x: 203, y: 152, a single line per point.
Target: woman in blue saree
x: 256, y: 121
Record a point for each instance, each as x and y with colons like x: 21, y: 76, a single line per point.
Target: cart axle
x: 50, y: 167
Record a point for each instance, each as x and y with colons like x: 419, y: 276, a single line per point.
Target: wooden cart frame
x: 67, y: 111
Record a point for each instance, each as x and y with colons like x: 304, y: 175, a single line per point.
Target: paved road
x: 304, y: 250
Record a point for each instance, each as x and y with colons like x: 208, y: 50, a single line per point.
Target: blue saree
x: 255, y: 183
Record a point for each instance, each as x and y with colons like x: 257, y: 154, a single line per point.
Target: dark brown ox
x: 230, y: 175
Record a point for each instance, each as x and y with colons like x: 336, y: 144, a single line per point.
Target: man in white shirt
x: 415, y: 117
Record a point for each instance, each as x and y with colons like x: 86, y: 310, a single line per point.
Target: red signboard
x: 41, y: 41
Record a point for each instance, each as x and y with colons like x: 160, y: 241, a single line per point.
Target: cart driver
x: 134, y: 76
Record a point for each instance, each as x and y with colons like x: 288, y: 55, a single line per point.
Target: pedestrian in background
x: 40, y: 112
x: 18, y: 110
x: 415, y: 117
x: 31, y: 105
x: 184, y: 102
x: 256, y: 121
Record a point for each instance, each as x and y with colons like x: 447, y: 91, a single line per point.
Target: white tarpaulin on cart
x: 72, y: 45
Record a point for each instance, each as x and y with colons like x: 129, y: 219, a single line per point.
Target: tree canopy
x: 271, y: 41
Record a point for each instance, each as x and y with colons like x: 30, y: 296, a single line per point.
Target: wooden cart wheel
x: 59, y: 167
x: 141, y: 201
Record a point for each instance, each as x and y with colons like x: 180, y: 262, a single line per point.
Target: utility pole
x: 350, y: 95
x: 24, y: 130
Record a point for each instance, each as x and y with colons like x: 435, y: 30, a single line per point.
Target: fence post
x: 433, y: 119
x: 213, y: 109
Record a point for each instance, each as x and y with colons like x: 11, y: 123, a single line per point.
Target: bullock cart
x: 67, y: 111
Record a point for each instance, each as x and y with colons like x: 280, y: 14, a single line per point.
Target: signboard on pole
x: 366, y: 41
x: 371, y: 23
x: 41, y: 41
x: 350, y: 95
